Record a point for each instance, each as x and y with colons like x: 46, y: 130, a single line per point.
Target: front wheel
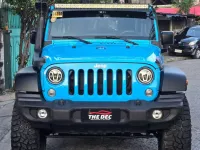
x: 178, y: 136
x: 23, y: 135
x: 197, y: 54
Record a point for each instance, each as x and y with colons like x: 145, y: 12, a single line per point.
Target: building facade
x: 167, y: 2
x: 197, y: 2
x: 141, y: 1
x: 170, y: 19
x: 2, y: 84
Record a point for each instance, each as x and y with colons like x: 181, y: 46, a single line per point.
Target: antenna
x: 41, y: 28
x: 41, y: 6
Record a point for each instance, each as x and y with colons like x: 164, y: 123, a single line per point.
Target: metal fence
x: 11, y: 44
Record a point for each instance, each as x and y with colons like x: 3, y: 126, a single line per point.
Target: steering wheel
x: 128, y: 31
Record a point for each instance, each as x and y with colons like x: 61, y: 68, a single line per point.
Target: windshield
x: 91, y: 24
x: 193, y: 32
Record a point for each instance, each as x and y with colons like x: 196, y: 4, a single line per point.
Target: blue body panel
x: 112, y: 53
x: 100, y: 51
x: 115, y: 54
x: 137, y: 88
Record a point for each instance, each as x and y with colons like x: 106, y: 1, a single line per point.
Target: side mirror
x: 33, y: 37
x: 167, y: 37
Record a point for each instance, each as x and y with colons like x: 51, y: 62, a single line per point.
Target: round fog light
x: 149, y: 92
x: 157, y: 114
x: 52, y: 92
x: 42, y: 113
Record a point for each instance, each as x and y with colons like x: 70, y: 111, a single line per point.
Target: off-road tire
x: 196, y: 54
x: 178, y: 136
x: 23, y: 136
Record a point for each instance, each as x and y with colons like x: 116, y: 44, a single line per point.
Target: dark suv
x: 187, y: 42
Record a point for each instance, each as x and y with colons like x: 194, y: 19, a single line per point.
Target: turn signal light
x: 149, y: 92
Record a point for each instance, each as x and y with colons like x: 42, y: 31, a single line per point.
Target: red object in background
x: 195, y: 10
x: 167, y: 10
x: 101, y: 112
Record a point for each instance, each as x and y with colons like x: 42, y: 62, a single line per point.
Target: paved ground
x: 191, y: 68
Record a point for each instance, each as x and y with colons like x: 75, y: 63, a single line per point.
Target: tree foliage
x: 184, y: 5
x: 28, y: 14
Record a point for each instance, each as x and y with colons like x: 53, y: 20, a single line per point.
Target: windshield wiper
x: 72, y: 37
x: 117, y: 37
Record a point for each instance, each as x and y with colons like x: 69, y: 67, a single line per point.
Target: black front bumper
x: 64, y: 116
x: 186, y: 49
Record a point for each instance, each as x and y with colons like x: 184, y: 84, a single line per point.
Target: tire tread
x: 23, y: 136
x: 178, y: 136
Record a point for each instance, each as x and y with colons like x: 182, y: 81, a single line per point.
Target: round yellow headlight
x: 145, y: 75
x: 55, y: 75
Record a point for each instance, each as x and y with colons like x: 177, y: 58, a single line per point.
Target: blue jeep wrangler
x: 98, y: 71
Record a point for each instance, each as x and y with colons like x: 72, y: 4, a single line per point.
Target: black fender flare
x: 172, y: 79
x: 27, y: 80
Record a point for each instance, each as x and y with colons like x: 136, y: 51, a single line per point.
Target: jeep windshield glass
x: 72, y: 37
x: 116, y: 37
x: 93, y: 23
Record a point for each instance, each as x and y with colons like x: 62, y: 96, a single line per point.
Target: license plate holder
x: 178, y: 51
x: 100, y: 115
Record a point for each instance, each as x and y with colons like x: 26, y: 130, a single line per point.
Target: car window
x: 194, y: 32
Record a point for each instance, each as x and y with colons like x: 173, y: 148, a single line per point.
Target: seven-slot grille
x: 100, y: 82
